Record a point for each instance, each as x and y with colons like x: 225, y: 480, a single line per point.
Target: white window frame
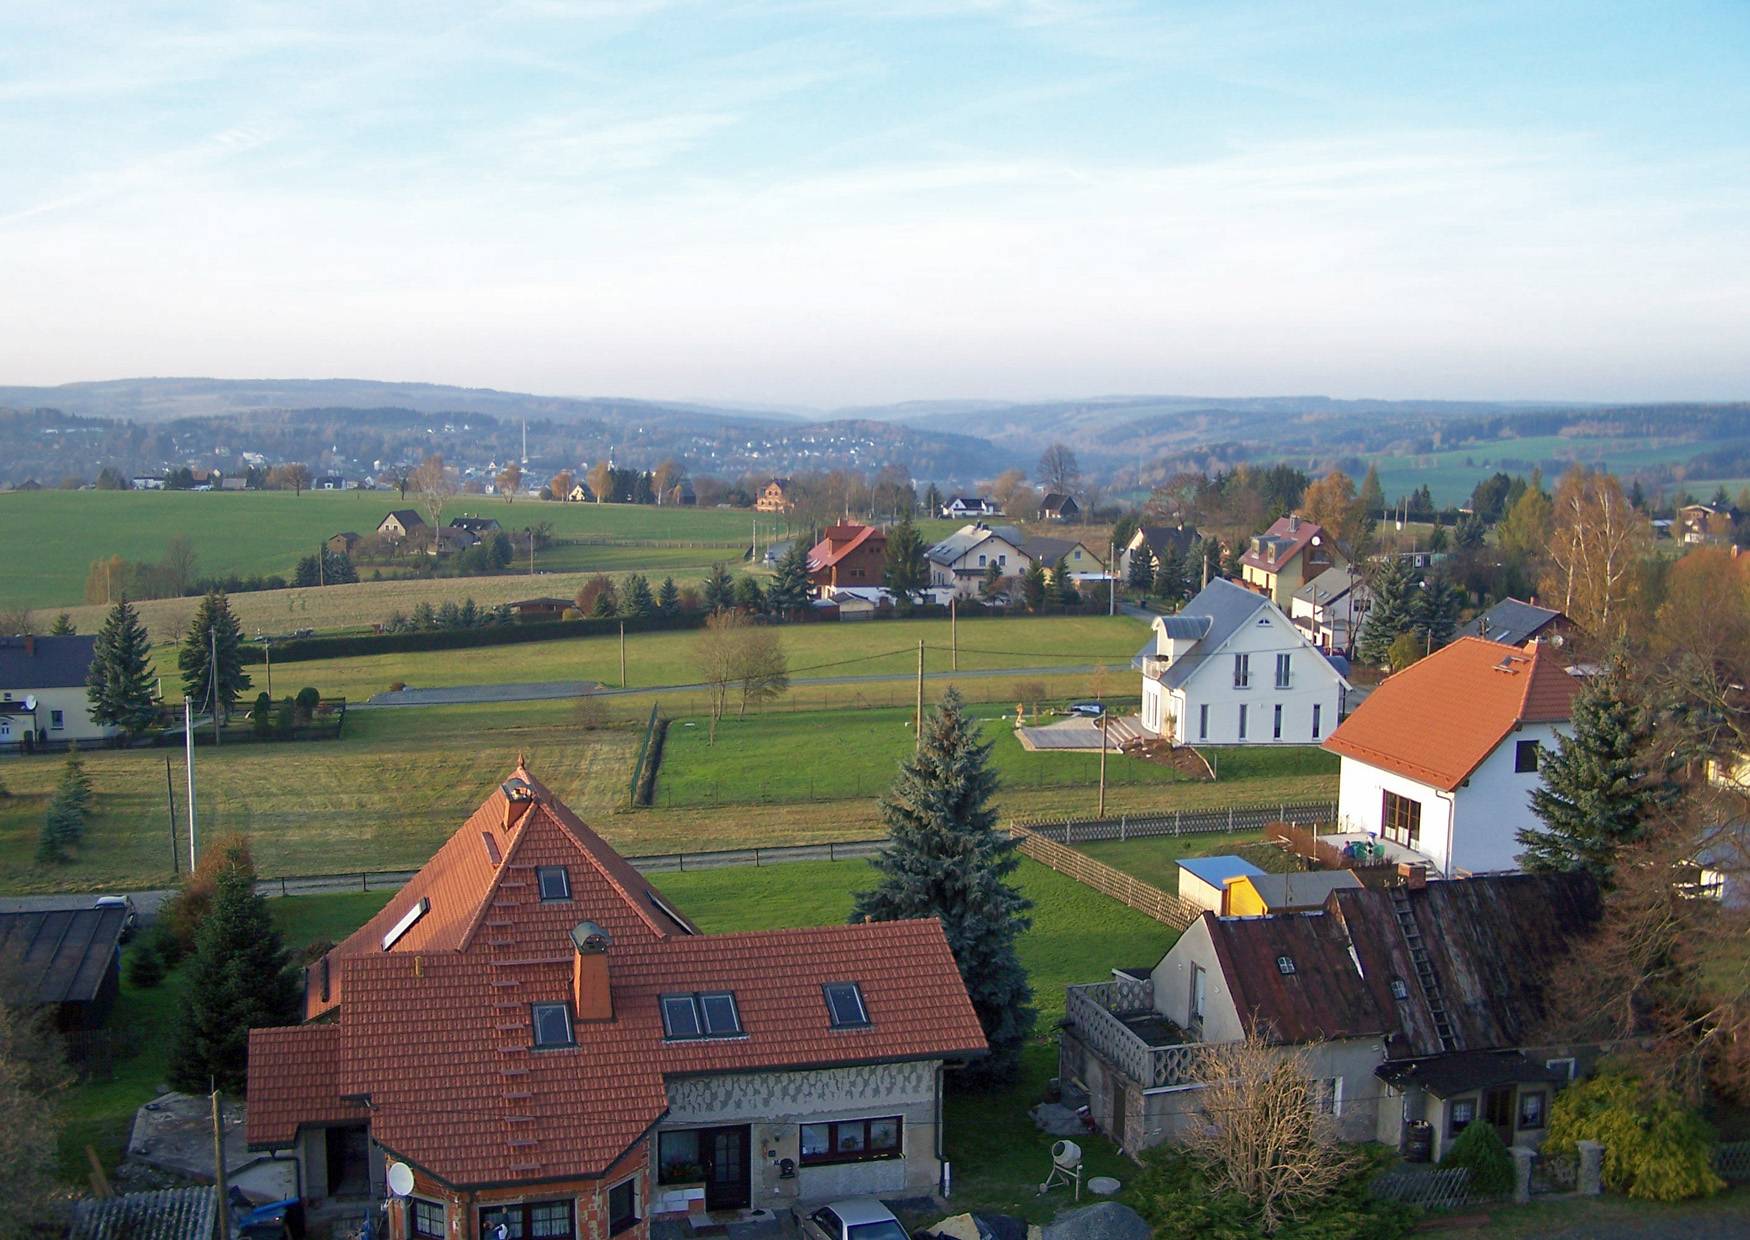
x: 57, y: 720
x: 1285, y: 670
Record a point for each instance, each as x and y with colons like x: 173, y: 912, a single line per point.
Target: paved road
x: 546, y: 690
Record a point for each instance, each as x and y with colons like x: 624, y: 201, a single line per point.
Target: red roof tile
x: 1284, y: 540
x: 839, y: 541
x: 1438, y: 719
x: 303, y: 1086
x: 450, y: 1003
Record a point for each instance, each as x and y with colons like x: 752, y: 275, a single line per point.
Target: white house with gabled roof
x: 1231, y: 669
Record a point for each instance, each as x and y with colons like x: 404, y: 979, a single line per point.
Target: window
x: 1199, y: 988
x: 844, y: 1005
x: 1283, y: 664
x: 555, y: 881
x: 677, y: 1157
x: 1328, y: 1095
x: 533, y: 1220
x: 427, y: 1219
x: 712, y: 1014
x: 1242, y: 721
x: 1459, y: 1113
x: 851, y: 1140
x: 1242, y: 671
x: 1399, y: 990
x: 1276, y: 728
x: 622, y: 1205
x: 1285, y: 965
x: 1316, y: 713
x: 552, y: 1023
x: 1400, y: 819
x: 1203, y: 722
x: 1525, y: 757
x: 57, y: 720
x: 981, y: 560
x: 1565, y: 1066
x: 1531, y: 1108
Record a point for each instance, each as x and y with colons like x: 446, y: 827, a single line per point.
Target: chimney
x: 590, y: 995
x: 518, y: 799
x: 29, y: 646
x: 1293, y: 522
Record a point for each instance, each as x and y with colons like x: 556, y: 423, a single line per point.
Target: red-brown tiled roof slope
x: 304, y: 1087
x: 1295, y: 535
x: 838, y: 542
x: 1438, y: 719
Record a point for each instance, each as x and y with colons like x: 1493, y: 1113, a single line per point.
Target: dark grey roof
x: 407, y: 516
x: 1160, y: 537
x: 477, y: 525
x: 1307, y: 890
x: 45, y: 662
x: 60, y: 955
x: 1328, y: 586
x: 168, y: 1214
x: 1466, y: 1072
x: 1510, y: 621
x: 1186, y: 628
x: 1058, y: 500
x: 1049, y: 551
x: 1225, y: 606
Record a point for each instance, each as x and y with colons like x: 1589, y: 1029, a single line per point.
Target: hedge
x: 514, y: 633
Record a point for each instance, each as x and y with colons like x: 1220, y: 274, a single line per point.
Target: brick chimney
x: 519, y: 798
x: 29, y: 646
x: 591, y: 997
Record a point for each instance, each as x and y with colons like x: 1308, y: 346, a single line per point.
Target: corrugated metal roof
x: 1281, y: 892
x: 60, y: 955
x: 168, y: 1214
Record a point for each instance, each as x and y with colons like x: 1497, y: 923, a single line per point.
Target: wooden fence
x: 1146, y: 898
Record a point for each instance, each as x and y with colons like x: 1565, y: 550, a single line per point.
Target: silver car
x: 856, y: 1218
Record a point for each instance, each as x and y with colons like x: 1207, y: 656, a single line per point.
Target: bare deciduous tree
x: 1014, y: 496
x: 293, y: 477
x: 435, y: 487
x: 33, y: 1073
x: 760, y: 667
x: 560, y: 484
x: 665, y: 478
x: 509, y: 481
x: 601, y: 481
x: 1264, y: 1134
x: 1058, y: 469
x: 714, y: 657
x: 1597, y: 542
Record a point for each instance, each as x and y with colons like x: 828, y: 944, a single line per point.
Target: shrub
x: 1405, y: 649
x: 1175, y: 1196
x: 283, y: 719
x: 261, y: 716
x: 308, y: 699
x: 183, y: 913
x: 145, y: 965
x: 1655, y: 1148
x: 1480, y: 1148
x: 165, y: 943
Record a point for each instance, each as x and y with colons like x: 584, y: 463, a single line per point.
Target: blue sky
x: 833, y: 203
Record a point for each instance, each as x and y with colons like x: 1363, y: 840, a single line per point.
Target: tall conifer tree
x: 214, y: 629
x: 119, y: 685
x: 905, y: 574
x: 945, y: 859
x: 790, y: 584
x: 1393, y: 611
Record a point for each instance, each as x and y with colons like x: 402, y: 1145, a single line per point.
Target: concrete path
x: 549, y: 690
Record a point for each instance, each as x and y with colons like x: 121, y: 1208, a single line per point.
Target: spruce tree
x: 1393, y: 611
x: 946, y: 859
x: 668, y: 598
x: 636, y: 601
x: 607, y: 601
x: 240, y: 978
x: 1169, y: 581
x: 905, y: 574
x: 748, y: 595
x: 1371, y: 499
x: 993, y: 579
x: 790, y: 585
x: 1062, y: 587
x: 719, y: 589
x: 119, y: 686
x: 1597, y: 787
x: 1437, y: 605
x: 1033, y: 587
x: 64, y: 819
x: 63, y: 626
x: 1141, y: 574
x: 214, y: 628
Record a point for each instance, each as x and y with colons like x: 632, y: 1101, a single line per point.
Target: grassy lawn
x: 861, y: 649
x: 755, y: 759
x: 1155, y: 859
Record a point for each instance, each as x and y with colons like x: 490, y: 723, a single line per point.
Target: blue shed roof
x: 1217, y: 870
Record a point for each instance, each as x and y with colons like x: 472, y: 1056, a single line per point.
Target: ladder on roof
x: 1425, y: 976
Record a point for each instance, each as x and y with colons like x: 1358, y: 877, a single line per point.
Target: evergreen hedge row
x: 302, y: 648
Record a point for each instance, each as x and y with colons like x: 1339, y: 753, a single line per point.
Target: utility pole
x: 1102, y: 810
x: 954, y: 631
x: 170, y: 798
x: 213, y: 675
x: 188, y: 746
x: 321, y: 565
x: 531, y: 551
x: 1111, y: 578
x: 919, y: 742
x: 622, y: 654
x: 219, y: 1169
x: 267, y: 653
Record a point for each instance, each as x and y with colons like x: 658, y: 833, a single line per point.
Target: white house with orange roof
x: 1440, y: 760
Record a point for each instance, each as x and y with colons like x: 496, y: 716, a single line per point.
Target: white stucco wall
x: 1471, y: 830
x: 1172, y: 980
x: 75, y: 708
x: 1312, y: 680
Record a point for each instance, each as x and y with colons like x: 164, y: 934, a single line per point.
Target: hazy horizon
x: 815, y: 204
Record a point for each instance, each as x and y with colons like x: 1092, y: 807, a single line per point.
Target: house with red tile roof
x: 848, y: 556
x: 1288, y: 555
x: 548, y: 1043
x: 1440, y: 760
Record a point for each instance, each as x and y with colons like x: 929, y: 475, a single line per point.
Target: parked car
x: 857, y: 1218
x: 277, y: 1220
x: 131, y: 922
x: 1088, y: 710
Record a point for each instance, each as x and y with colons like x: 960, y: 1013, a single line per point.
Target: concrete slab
x: 174, y: 1133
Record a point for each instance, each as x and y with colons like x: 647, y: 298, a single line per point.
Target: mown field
x: 863, y: 648
x: 266, y: 532
x: 1077, y: 935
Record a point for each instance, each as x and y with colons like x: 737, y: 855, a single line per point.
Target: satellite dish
x: 30, y: 701
x: 400, y: 1179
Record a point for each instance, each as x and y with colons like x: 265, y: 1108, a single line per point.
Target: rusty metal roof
x: 58, y: 955
x: 169, y: 1214
x: 1324, y: 996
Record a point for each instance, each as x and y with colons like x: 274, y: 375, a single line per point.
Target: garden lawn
x: 834, y: 754
x: 865, y: 648
x: 1155, y: 859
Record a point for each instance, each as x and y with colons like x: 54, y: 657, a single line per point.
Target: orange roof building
x: 1441, y: 759
x: 545, y: 1041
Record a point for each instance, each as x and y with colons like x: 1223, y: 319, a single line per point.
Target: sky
x: 812, y: 203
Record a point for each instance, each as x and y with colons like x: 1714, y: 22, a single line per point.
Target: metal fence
x: 1732, y: 1161
x: 1432, y: 1188
x: 1070, y: 830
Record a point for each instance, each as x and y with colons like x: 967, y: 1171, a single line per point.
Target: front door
x: 1498, y: 1110
x: 725, y: 1153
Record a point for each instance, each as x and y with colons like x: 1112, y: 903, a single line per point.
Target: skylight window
x: 844, y: 1005
x: 1398, y: 989
x: 668, y: 912
x: 555, y: 881
x: 710, y: 1014
x: 406, y: 923
x: 552, y: 1023
x: 1285, y: 965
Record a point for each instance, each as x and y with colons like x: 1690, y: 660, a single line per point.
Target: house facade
x: 1285, y: 557
x: 1706, y: 523
x: 1442, y: 757
x: 774, y: 497
x: 1056, y: 506
x: 42, y: 691
x: 1231, y: 669
x: 401, y: 523
x: 1154, y: 541
x: 1079, y: 558
x: 1330, y: 609
x: 848, y: 556
x: 603, y: 1062
x: 962, y: 561
x: 1414, y: 1005
x: 960, y: 507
